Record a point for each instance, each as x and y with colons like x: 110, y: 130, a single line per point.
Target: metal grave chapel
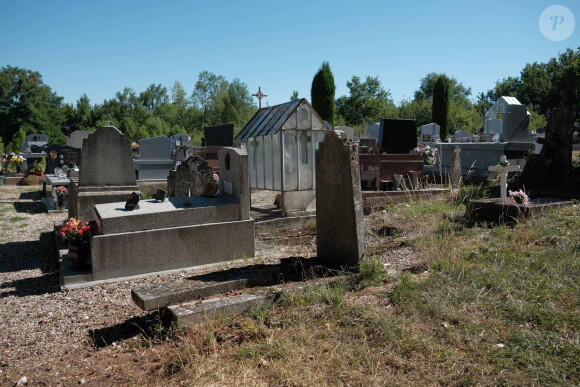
x: 281, y: 141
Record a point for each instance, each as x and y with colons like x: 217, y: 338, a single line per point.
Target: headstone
x: 397, y: 136
x: 222, y: 135
x: 155, y: 160
x: 374, y: 129
x: 339, y: 202
x: 430, y: 132
x: 107, y: 174
x: 58, y: 156
x: 503, y: 168
x: 455, y: 171
x: 347, y: 130
x: 516, y: 124
x: 106, y: 159
x: 76, y: 138
x: 182, y: 153
x: 192, y: 174
x: 36, y: 141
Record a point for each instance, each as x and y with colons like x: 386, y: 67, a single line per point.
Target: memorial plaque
x: 58, y: 156
x: 160, y: 195
x: 132, y: 202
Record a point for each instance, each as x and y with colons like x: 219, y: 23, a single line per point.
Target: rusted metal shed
x: 281, y: 141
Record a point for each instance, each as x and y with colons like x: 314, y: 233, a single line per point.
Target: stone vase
x: 79, y: 255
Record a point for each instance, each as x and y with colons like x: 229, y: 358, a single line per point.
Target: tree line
x: 28, y: 105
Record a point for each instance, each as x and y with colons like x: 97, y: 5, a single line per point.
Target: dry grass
x: 499, y: 306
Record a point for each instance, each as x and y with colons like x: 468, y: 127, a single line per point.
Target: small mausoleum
x: 281, y: 141
x: 508, y: 119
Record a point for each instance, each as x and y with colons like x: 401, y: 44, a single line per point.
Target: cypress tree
x: 440, y: 108
x: 322, y: 93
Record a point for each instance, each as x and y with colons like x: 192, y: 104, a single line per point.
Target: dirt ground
x: 97, y: 335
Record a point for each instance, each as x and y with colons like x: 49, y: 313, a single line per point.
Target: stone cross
x: 503, y: 168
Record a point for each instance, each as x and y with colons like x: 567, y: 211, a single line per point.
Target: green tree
x: 29, y: 104
x: 294, y: 96
x: 458, y: 93
x: 367, y: 102
x: 440, y: 109
x: 322, y: 93
x: 153, y: 97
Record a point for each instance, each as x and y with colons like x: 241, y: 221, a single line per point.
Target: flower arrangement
x: 39, y: 166
x: 60, y: 191
x: 428, y: 154
x: 3, y: 163
x: 134, y: 145
x: 76, y: 232
x: 17, y: 159
x: 216, y: 177
x: 519, y: 197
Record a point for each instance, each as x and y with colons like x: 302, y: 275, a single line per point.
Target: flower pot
x: 79, y: 256
x: 38, y: 173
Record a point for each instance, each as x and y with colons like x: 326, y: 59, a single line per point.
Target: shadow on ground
x: 36, y: 207
x: 151, y: 327
x: 28, y: 256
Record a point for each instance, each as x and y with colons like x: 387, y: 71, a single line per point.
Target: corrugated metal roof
x: 270, y: 120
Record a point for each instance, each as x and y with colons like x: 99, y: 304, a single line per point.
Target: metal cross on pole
x: 260, y: 96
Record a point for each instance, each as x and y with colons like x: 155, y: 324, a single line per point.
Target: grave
x: 167, y: 235
x: 33, y: 150
x: 181, y: 139
x: 430, y: 132
x: 339, y: 202
x: 155, y: 160
x: 217, y: 137
x: 190, y: 175
x: 76, y: 138
x: 376, y: 169
x: 397, y: 136
x: 108, y: 173
x: 61, y: 155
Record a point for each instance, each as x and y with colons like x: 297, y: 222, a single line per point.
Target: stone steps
x: 161, y: 295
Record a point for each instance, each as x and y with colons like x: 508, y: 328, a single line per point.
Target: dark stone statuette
x: 132, y: 202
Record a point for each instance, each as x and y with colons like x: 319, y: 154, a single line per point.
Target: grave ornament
x: 160, y: 195
x: 132, y: 202
x: 503, y: 168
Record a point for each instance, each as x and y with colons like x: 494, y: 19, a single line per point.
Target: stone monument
x: 107, y: 174
x: 191, y: 174
x: 455, y: 171
x: 339, y: 212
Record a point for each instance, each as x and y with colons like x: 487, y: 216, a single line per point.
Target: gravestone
x: 430, y: 132
x: 76, y: 138
x: 107, y: 174
x: 34, y: 143
x: 516, y: 124
x: 215, y: 138
x: 181, y: 153
x: 462, y: 136
x: 503, y: 168
x: 397, y: 136
x: 61, y: 155
x: 191, y: 174
x: 339, y: 211
x: 455, y: 171
x: 222, y: 135
x: 155, y: 160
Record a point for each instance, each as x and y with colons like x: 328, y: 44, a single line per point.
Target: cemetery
x: 206, y: 249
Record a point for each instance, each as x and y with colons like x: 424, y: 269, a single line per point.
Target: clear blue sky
x: 100, y: 47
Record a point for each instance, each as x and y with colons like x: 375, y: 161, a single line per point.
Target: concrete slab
x: 199, y: 311
x: 495, y: 211
x: 114, y: 218
x: 161, y: 295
